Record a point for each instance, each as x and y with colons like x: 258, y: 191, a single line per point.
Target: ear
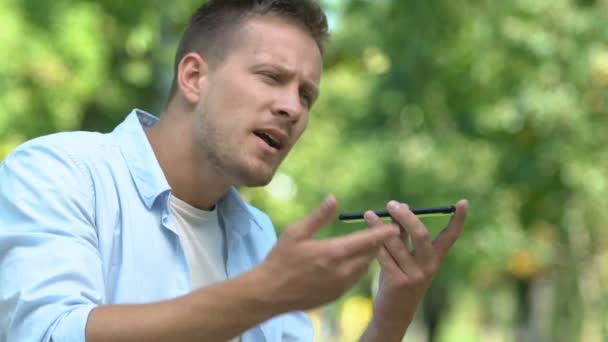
x: 192, y: 69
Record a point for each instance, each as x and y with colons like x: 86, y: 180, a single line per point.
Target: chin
x: 255, y: 172
x: 258, y: 176
x: 257, y: 182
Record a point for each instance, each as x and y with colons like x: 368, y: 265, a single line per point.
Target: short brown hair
x: 212, y: 22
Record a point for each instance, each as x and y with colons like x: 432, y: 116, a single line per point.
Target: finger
x: 316, y: 220
x: 402, y: 256
x: 372, y: 219
x: 387, y: 263
x: 398, y: 253
x: 362, y: 242
x: 415, y: 228
x: 450, y: 234
x: 405, y: 237
x: 360, y: 264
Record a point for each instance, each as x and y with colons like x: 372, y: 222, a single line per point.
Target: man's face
x: 255, y: 103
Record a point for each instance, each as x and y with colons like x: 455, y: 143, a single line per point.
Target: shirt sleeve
x: 299, y: 328
x: 50, y: 267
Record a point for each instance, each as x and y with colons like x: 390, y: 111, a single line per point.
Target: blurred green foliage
x: 500, y: 102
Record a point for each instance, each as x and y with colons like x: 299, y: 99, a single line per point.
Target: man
x: 140, y: 235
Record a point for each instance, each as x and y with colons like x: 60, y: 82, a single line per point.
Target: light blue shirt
x: 85, y: 221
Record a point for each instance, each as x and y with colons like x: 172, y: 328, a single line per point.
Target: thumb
x: 316, y: 220
x: 450, y: 234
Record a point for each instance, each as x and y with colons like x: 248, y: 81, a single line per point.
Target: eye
x: 306, y: 100
x: 270, y: 76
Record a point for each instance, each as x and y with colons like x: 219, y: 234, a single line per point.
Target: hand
x: 302, y: 273
x: 406, y: 274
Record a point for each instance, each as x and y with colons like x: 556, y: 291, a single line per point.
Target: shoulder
x: 76, y: 142
x: 43, y: 176
x: 65, y: 145
x: 60, y: 159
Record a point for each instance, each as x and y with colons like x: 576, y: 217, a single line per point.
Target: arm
x: 406, y: 275
x: 215, y: 313
x: 50, y: 270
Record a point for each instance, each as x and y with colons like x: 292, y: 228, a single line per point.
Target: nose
x: 289, y: 105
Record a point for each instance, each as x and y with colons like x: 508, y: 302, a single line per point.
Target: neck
x: 192, y: 179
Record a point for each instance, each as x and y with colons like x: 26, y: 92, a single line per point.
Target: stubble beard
x: 228, y: 161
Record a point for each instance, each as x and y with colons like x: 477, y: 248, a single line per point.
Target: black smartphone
x: 431, y: 211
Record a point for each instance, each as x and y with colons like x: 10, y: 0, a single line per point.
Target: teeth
x: 271, y: 137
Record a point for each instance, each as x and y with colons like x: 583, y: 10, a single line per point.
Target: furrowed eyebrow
x: 307, y: 85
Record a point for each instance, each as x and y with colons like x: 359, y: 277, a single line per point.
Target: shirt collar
x: 232, y: 205
x: 139, y: 156
x: 148, y: 175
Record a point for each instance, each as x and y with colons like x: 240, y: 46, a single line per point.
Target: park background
x: 500, y: 102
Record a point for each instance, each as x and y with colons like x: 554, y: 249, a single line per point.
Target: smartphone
x: 431, y: 211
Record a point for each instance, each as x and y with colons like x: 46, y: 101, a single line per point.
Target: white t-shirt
x: 203, y: 241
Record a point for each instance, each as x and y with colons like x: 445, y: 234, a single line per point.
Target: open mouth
x: 269, y: 139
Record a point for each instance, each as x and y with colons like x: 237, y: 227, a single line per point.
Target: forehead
x: 273, y: 40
